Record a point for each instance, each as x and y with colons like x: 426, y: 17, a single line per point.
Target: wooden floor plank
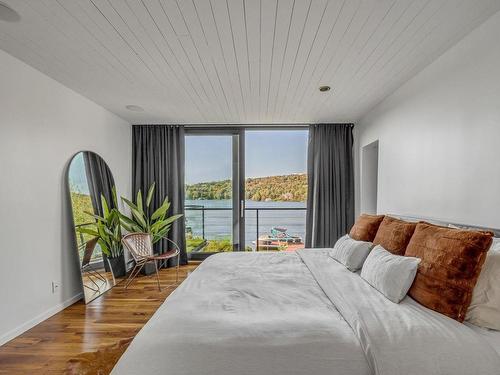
x: 117, y: 315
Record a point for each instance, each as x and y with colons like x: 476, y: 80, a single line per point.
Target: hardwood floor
x: 119, y: 314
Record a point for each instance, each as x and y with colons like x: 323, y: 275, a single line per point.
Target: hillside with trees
x: 288, y: 188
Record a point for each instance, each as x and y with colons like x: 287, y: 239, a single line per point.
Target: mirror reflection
x: 93, y: 200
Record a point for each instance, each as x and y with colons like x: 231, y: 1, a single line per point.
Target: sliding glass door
x: 213, y: 191
x: 245, y: 189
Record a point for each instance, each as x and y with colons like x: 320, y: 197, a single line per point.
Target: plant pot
x: 118, y: 266
x: 107, y: 267
x: 148, y: 269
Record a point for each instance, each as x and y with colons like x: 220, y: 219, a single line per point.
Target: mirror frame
x: 100, y: 276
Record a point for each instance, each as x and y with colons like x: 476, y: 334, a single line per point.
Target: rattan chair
x: 141, y: 248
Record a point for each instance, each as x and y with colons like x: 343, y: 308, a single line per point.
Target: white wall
x: 439, y: 136
x: 369, y: 162
x: 42, y: 124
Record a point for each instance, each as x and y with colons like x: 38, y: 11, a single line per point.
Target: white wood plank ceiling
x: 237, y: 61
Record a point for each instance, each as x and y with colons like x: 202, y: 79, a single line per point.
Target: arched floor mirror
x: 91, y: 188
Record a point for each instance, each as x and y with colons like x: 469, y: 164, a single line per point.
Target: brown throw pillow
x: 365, y: 228
x: 394, y: 235
x: 451, y: 263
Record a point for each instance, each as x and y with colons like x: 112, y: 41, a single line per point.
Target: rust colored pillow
x: 451, y: 263
x: 394, y: 235
x: 365, y: 228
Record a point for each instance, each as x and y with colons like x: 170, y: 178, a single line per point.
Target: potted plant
x: 107, y: 230
x: 157, y: 223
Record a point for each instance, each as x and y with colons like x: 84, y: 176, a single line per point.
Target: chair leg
x: 94, y: 273
x: 130, y: 276
x: 177, y: 269
x: 157, y: 276
x: 97, y: 274
x: 134, y: 273
x: 90, y: 277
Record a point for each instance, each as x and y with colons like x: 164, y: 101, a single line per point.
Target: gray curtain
x: 158, y: 156
x: 330, y: 199
x: 99, y: 179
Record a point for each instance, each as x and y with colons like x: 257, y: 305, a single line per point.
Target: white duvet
x: 297, y: 313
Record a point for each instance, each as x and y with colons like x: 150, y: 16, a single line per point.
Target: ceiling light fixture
x: 324, y: 88
x: 8, y: 14
x: 134, y: 108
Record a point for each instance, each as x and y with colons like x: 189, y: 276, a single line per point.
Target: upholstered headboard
x: 446, y: 223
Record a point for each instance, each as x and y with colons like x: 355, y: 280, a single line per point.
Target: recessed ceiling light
x: 8, y: 14
x: 324, y: 88
x: 134, y: 108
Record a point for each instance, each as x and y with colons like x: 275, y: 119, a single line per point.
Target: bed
x: 299, y: 313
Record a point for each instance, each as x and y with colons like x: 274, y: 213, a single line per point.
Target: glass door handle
x: 242, y: 208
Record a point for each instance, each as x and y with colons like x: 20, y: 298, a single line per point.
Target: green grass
x: 193, y: 243
x: 222, y: 245
x: 80, y: 204
x: 213, y: 246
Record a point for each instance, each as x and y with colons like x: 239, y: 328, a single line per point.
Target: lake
x: 218, y: 223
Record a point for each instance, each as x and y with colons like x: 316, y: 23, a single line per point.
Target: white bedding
x: 404, y: 338
x: 270, y: 313
x: 490, y: 335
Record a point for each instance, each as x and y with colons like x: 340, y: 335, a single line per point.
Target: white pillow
x: 350, y: 253
x: 484, y: 310
x: 392, y: 275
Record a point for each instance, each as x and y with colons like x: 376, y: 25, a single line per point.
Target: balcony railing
x: 256, y: 219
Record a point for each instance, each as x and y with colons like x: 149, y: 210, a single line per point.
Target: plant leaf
x: 158, y: 237
x: 157, y: 226
x: 129, y: 224
x: 140, y: 218
x: 161, y: 234
x: 150, y: 194
x: 116, y: 234
x: 97, y: 217
x: 138, y: 201
x: 105, y: 208
x: 102, y: 232
x: 104, y: 247
x: 129, y: 203
x: 125, y: 219
x: 162, y: 210
x: 128, y: 228
x: 92, y: 232
x: 107, y: 228
x: 172, y: 218
x: 115, y: 199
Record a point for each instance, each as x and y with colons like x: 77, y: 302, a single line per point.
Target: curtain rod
x: 222, y: 126
x: 247, y: 126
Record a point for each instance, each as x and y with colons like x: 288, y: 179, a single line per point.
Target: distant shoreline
x: 283, y: 188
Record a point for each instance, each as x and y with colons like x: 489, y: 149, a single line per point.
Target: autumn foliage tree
x: 287, y: 188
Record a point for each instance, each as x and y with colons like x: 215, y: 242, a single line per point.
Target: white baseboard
x: 38, y: 319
